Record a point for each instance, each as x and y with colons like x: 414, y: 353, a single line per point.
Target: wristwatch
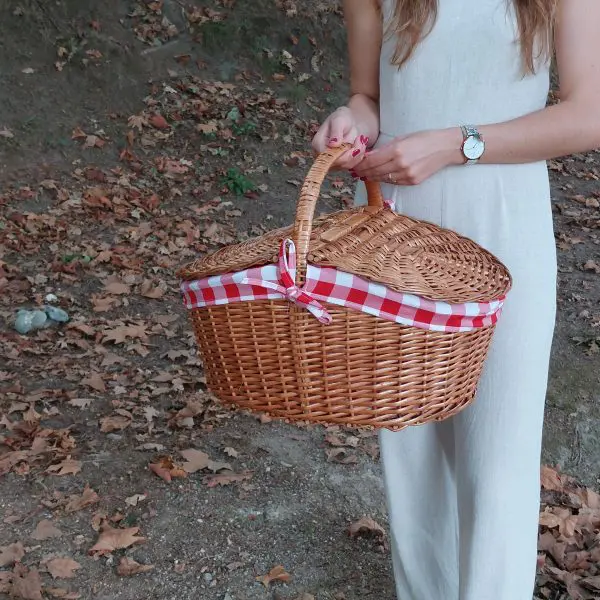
x: 473, y: 145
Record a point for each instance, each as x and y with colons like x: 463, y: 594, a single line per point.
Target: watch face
x: 473, y: 147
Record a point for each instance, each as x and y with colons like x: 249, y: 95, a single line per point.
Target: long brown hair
x: 412, y: 20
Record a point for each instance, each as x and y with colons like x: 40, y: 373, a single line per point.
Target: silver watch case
x: 473, y: 145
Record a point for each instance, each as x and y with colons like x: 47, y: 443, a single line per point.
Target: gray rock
x: 38, y: 319
x: 56, y: 314
x: 23, y: 322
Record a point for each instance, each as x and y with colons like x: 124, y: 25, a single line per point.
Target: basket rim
x: 479, y: 274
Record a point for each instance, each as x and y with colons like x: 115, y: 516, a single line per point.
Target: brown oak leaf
x: 111, y: 539
x: 277, y: 573
x: 116, y: 422
x: 11, y: 554
x: 166, y: 469
x: 196, y: 460
x: 94, y: 381
x: 45, y: 530
x: 117, y: 288
x: 66, y: 467
x: 62, y: 567
x: 78, y: 502
x: 128, y: 567
x: 26, y: 584
x: 118, y: 335
x: 366, y: 525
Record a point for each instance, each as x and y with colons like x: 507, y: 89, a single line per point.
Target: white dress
x: 463, y: 495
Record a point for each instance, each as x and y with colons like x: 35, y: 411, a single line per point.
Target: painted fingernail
x: 366, y: 140
x: 355, y: 153
x: 353, y: 173
x: 334, y: 140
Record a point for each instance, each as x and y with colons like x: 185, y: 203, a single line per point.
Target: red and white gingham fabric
x: 327, y: 284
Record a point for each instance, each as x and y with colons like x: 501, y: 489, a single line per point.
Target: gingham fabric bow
x: 288, y: 287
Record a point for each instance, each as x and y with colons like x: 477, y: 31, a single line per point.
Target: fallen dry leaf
x: 116, y: 422
x: 62, y: 568
x: 95, y: 381
x: 81, y: 402
x: 196, y: 460
x: 366, y: 525
x: 112, y: 539
x: 226, y: 478
x: 149, y: 290
x: 592, y: 582
x: 342, y: 456
x: 550, y: 479
x: 26, y: 584
x: 166, y: 469
x: 135, y: 499
x: 78, y: 502
x: 62, y: 593
x: 45, y: 530
x: 592, y: 265
x: 277, y: 573
x: 158, y: 121
x: 117, y: 288
x: 119, y: 334
x: 128, y: 567
x: 66, y: 467
x: 11, y: 554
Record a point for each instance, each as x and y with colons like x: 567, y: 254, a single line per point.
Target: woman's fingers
x: 338, y: 131
x: 376, y: 172
x: 378, y: 157
x: 354, y: 155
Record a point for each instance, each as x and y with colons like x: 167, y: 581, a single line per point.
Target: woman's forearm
x: 366, y: 113
x: 565, y: 128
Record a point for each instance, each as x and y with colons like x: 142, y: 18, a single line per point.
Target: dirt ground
x: 134, y: 136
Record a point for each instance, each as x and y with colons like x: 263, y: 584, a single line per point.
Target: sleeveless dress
x: 463, y: 495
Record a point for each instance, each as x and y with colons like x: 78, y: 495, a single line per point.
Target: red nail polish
x: 334, y: 140
x: 366, y: 141
x: 363, y: 178
x: 355, y: 153
x: 354, y: 175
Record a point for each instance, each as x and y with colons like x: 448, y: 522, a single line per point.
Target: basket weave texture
x: 273, y: 356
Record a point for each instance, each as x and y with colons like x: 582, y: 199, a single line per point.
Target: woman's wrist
x: 365, y: 112
x: 451, y: 141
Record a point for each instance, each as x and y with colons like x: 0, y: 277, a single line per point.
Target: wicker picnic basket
x: 384, y: 321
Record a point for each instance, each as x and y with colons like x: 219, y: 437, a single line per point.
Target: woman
x: 452, y: 94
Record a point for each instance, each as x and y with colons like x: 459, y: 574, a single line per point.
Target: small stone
x: 38, y: 319
x: 56, y: 314
x: 51, y: 298
x: 23, y: 322
x: 208, y: 577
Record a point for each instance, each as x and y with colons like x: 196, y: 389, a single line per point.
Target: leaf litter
x: 113, y: 238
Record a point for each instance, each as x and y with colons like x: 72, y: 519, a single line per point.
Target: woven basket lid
x: 372, y: 242
x: 377, y: 244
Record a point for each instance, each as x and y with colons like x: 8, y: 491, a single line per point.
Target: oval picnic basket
x: 362, y: 317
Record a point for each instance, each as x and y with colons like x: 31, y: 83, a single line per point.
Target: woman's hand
x: 339, y: 128
x: 410, y: 160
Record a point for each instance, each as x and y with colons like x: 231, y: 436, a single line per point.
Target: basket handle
x: 309, y: 194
